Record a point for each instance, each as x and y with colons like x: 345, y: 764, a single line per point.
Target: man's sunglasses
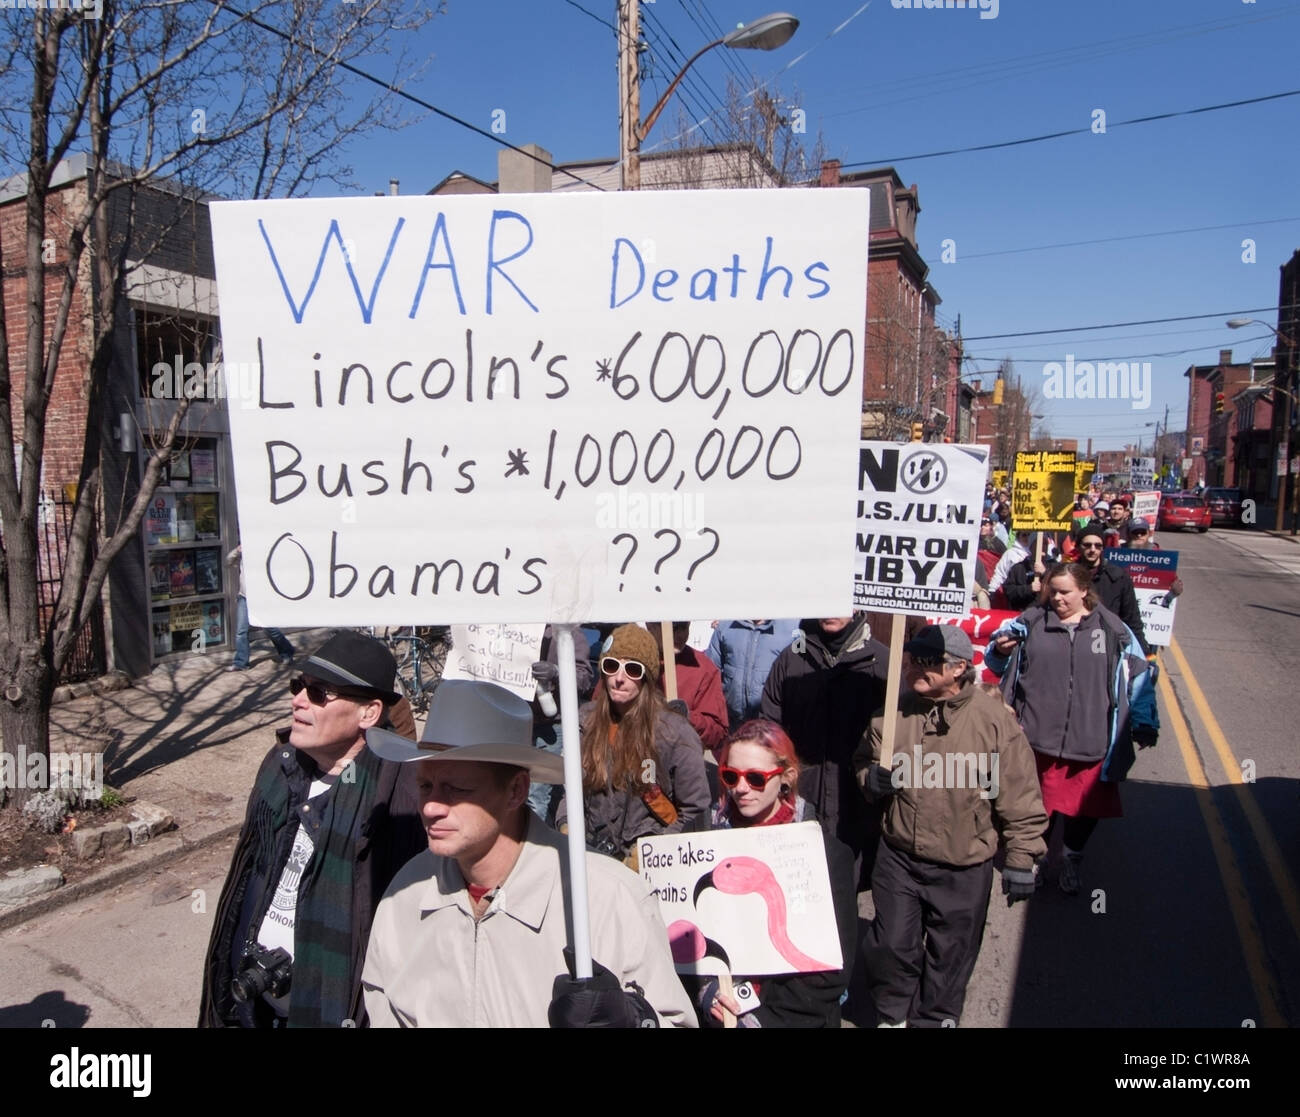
x: 730, y: 777
x: 1092, y: 546
x: 632, y: 668
x: 318, y: 694
x: 929, y: 662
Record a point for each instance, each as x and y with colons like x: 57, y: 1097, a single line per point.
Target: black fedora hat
x: 357, y: 662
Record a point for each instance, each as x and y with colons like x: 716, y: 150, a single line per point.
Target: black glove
x: 1017, y: 884
x: 597, y: 1001
x: 1145, y: 738
x: 545, y: 673
x: 879, y: 781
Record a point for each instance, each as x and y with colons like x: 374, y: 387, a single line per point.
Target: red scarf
x: 784, y: 813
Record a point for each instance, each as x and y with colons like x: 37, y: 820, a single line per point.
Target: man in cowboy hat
x: 327, y: 826
x: 473, y: 932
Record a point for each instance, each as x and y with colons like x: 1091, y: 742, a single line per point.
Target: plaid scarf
x: 325, y: 956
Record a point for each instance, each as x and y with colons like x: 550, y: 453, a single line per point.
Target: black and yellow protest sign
x: 1042, y: 491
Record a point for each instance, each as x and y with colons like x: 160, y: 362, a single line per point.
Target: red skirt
x: 1076, y: 789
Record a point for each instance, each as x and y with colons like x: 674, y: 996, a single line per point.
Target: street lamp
x: 765, y: 33
x: 1287, y: 425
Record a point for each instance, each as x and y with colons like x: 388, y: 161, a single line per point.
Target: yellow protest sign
x: 1042, y: 491
x: 1083, y: 472
x: 1000, y: 478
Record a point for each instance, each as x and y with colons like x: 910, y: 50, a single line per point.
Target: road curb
x: 111, y: 877
x: 1295, y: 539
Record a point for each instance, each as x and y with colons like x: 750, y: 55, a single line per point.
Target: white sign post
x: 544, y: 408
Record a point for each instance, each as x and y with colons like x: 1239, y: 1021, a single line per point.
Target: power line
x: 965, y: 77
x: 1130, y: 236
x: 587, y: 12
x: 1085, y: 130
x: 1126, y: 356
x: 1138, y: 322
x: 391, y: 88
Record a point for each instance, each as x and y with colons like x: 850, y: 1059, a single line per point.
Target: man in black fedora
x: 473, y: 932
x: 328, y: 824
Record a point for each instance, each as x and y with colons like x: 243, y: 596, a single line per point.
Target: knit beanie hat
x: 631, y: 641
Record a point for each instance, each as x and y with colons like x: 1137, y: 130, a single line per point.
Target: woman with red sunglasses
x: 642, y: 765
x: 759, y: 774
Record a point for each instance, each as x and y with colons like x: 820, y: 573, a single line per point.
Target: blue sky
x: 893, y: 83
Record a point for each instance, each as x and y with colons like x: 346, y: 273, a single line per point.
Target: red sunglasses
x: 730, y: 777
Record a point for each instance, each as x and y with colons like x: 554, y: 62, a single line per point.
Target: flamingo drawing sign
x: 750, y: 902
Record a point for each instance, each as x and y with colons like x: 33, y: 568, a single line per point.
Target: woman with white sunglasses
x: 642, y: 765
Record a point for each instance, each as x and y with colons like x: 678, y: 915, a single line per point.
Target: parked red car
x: 1225, y: 507
x: 1184, y: 510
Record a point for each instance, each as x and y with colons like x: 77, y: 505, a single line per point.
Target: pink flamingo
x: 739, y: 876
x: 689, y: 944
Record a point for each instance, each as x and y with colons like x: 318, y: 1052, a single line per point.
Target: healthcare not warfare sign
x: 527, y: 408
x: 919, y: 508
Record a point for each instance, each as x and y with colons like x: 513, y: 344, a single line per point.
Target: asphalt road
x: 1189, y: 914
x: 126, y: 958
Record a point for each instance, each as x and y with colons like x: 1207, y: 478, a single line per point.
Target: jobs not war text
x: 544, y: 407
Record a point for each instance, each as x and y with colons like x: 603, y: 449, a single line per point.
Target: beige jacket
x: 430, y: 965
x: 967, y: 775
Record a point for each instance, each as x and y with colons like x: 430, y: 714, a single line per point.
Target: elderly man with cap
x: 473, y: 932
x: 963, y: 782
x: 328, y: 825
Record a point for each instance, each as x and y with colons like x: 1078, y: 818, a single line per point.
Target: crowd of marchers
x: 386, y: 880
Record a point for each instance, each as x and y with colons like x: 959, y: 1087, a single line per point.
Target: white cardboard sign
x: 496, y: 653
x: 544, y: 407
x: 748, y: 902
x: 919, y: 508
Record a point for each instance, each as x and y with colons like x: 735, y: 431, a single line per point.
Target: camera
x: 262, y: 971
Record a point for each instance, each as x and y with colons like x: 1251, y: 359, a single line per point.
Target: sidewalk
x: 188, y: 738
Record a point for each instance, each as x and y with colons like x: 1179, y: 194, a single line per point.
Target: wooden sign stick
x: 670, y: 659
x: 897, y: 628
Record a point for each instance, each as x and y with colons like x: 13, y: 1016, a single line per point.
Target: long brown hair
x: 617, y: 759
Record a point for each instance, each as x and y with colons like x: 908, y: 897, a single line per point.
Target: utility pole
x: 629, y: 93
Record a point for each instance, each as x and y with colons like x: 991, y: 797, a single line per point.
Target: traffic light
x: 1218, y: 403
x: 918, y: 432
x: 999, y: 386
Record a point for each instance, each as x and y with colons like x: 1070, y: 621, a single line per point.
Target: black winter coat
x: 826, y: 703
x: 1114, y: 589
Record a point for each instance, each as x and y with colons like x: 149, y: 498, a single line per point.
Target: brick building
x: 912, y: 366
x: 1210, y: 436
x: 170, y: 592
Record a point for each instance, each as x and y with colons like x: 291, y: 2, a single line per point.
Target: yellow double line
x: 1261, y: 978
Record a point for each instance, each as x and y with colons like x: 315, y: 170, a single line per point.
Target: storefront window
x: 182, y: 534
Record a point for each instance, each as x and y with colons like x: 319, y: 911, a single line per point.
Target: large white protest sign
x: 544, y: 407
x: 749, y: 902
x: 919, y: 507
x: 496, y: 653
